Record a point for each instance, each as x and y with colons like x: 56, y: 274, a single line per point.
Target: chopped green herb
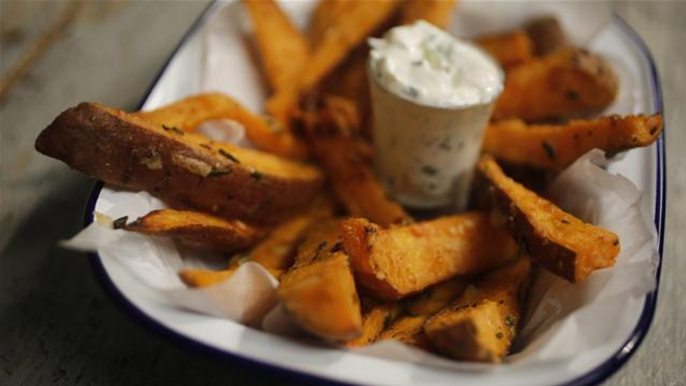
x: 429, y: 170
x: 369, y: 230
x: 173, y: 129
x: 242, y: 259
x: 412, y: 91
x: 445, y: 144
x: 229, y: 156
x: 524, y: 245
x: 549, y: 151
x: 273, y: 124
x: 387, y: 320
x: 320, y: 249
x: 404, y: 222
x: 120, y: 222
x: 219, y: 172
x: 510, y: 321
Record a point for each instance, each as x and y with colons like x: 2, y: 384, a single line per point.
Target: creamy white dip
x: 432, y: 96
x: 427, y: 65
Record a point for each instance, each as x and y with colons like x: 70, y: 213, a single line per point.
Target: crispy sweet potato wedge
x: 329, y: 131
x: 400, y: 261
x: 361, y: 18
x: 283, y: 49
x: 184, y: 170
x: 546, y: 34
x: 319, y: 290
x: 560, y: 242
x: 558, y: 146
x: 408, y: 328
x: 321, y: 297
x: 436, y: 12
x: 568, y: 83
x: 509, y: 48
x: 198, y: 230
x: 481, y: 324
x: 187, y: 114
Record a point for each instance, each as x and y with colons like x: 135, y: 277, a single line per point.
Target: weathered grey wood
x: 57, y: 326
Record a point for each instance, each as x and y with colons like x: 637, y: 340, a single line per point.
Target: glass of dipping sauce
x: 432, y: 96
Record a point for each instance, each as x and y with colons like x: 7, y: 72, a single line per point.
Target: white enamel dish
x: 266, y: 352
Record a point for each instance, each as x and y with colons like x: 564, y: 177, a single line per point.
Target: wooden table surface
x: 57, y: 326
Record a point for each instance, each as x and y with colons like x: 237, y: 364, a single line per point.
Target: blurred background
x: 57, y: 325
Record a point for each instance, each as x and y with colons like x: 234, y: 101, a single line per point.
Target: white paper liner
x: 563, y: 320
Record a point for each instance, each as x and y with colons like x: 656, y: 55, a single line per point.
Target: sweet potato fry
x: 509, y: 48
x: 328, y: 131
x: 481, y: 324
x: 322, y: 299
x: 198, y: 278
x: 187, y: 114
x: 283, y: 49
x: 374, y: 320
x: 319, y: 291
x: 350, y: 81
x: 568, y: 83
x: 558, y: 146
x: 277, y: 250
x: 198, y: 230
x: 324, y: 18
x: 400, y: 261
x: 184, y: 170
x: 560, y: 242
x: 546, y: 34
x: 408, y: 328
x: 361, y: 19
x: 436, y: 12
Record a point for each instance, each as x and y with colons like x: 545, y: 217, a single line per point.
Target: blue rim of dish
x: 594, y: 376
